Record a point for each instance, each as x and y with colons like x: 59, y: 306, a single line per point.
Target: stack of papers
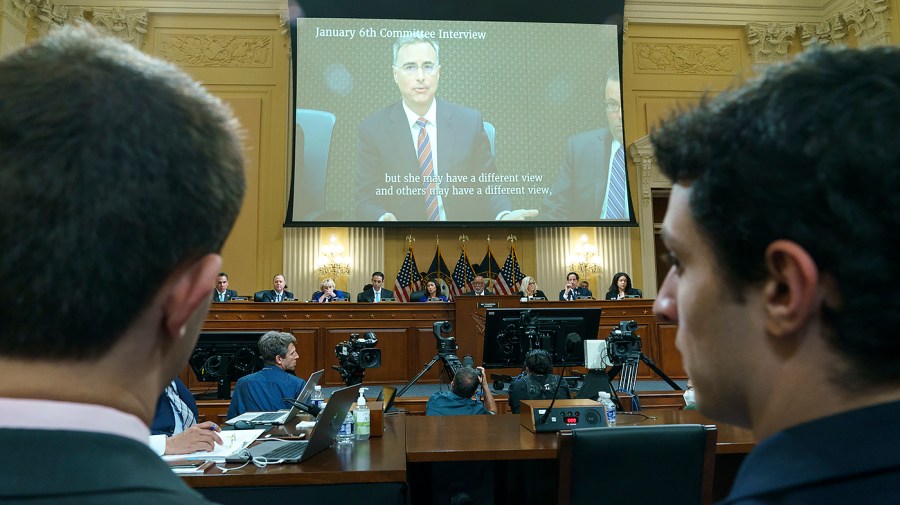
x: 232, y: 442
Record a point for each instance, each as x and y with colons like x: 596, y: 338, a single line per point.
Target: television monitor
x: 536, y: 76
x: 224, y: 357
x: 510, y: 333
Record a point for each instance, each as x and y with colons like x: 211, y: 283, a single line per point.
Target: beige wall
x: 244, y: 60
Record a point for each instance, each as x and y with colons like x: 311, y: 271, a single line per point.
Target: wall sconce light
x: 332, y: 262
x: 585, y: 261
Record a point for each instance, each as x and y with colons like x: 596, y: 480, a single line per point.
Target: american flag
x: 488, y: 268
x: 463, y: 274
x: 510, y: 275
x: 439, y: 272
x: 408, y: 280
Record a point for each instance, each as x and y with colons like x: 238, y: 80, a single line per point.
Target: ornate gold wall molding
x: 826, y: 33
x: 42, y: 15
x: 218, y: 50
x: 868, y: 20
x: 769, y: 42
x: 685, y: 58
x: 129, y: 25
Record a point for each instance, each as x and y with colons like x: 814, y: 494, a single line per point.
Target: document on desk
x: 232, y: 442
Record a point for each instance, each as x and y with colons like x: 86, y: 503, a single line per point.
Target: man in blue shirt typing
x: 265, y: 390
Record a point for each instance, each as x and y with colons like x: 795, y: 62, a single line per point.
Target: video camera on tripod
x: 623, y: 346
x: 355, y: 355
x: 447, y: 346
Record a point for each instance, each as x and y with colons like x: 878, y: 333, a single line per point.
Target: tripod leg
x: 417, y: 377
x: 660, y: 373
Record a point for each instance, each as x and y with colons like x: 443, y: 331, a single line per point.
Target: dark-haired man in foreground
x: 782, y: 229
x: 142, y: 181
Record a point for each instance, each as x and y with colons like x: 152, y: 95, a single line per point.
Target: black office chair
x: 257, y: 297
x: 611, y: 465
x: 415, y: 295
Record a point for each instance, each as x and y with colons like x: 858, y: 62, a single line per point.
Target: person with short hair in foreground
x: 265, y: 390
x: 459, y: 400
x: 118, y: 170
x: 785, y: 285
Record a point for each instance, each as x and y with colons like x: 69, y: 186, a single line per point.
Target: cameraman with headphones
x: 539, y: 382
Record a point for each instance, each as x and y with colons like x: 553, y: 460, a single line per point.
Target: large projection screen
x: 542, y: 87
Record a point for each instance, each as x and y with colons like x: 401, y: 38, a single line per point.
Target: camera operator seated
x: 459, y: 400
x: 539, y: 383
x: 327, y: 293
x: 265, y: 390
x: 432, y: 293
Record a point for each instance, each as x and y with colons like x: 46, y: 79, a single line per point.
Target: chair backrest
x: 315, y: 128
x: 606, y: 464
x: 415, y: 295
x: 257, y: 297
x: 490, y: 131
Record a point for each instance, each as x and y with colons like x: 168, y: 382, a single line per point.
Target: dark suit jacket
x: 368, y: 296
x: 385, y: 148
x: 340, y: 295
x: 578, y: 292
x: 487, y: 292
x: 229, y: 294
x: 87, y: 468
x: 579, y: 191
x: 537, y: 294
x: 614, y: 295
x: 164, y: 420
x: 269, y: 296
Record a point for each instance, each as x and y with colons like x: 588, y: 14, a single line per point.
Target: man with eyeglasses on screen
x: 592, y: 183
x: 433, y: 155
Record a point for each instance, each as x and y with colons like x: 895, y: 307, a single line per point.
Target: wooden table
x: 523, y: 464
x: 371, y: 469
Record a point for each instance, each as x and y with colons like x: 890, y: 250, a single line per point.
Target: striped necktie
x: 617, y: 202
x: 426, y: 164
x: 181, y: 410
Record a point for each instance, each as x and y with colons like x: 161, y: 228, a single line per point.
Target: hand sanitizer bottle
x: 363, y: 417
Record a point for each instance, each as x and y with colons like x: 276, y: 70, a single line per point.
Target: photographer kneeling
x: 539, y: 383
x: 458, y: 401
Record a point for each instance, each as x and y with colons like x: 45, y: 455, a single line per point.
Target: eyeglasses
x: 411, y: 69
x: 613, y: 106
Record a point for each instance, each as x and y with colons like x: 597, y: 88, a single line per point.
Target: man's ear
x: 791, y: 290
x: 187, y: 289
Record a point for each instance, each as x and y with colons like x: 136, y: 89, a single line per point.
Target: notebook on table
x: 281, y: 416
x: 320, y: 438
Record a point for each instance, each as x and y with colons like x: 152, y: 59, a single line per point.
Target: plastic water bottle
x: 609, y: 407
x: 346, y: 436
x: 317, y: 399
x: 363, y: 416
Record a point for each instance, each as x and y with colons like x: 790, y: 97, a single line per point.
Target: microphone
x: 572, y: 342
x: 309, y: 409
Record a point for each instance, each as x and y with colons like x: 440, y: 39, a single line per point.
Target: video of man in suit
x: 430, y: 122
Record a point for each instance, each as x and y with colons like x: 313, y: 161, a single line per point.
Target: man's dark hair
x: 222, y: 274
x: 274, y: 343
x: 807, y: 153
x: 116, y: 167
x: 379, y: 274
x: 465, y: 382
x: 539, y: 362
x: 573, y: 273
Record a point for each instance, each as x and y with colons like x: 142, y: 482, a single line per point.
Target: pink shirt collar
x: 25, y: 413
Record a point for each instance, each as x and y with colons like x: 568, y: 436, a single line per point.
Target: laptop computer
x: 282, y: 416
x: 320, y: 438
